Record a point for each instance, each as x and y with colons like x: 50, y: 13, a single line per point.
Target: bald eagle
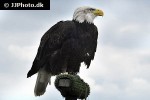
x: 65, y: 46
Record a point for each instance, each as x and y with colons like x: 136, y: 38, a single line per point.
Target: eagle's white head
x: 87, y: 14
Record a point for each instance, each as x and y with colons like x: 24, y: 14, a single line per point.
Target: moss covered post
x: 72, y: 87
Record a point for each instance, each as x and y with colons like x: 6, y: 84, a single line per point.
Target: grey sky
x: 120, y: 70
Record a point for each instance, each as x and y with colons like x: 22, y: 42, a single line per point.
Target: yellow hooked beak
x: 98, y: 12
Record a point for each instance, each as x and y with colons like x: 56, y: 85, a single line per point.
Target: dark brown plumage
x: 64, y: 46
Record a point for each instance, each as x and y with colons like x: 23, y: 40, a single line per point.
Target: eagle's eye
x: 91, y: 9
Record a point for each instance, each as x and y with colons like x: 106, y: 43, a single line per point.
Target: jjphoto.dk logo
x: 25, y: 5
x: 39, y: 4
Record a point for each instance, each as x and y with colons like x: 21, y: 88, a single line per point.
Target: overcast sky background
x: 120, y: 70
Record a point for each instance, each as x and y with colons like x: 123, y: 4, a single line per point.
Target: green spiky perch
x: 72, y: 86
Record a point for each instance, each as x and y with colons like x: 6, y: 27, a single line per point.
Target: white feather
x: 43, y: 79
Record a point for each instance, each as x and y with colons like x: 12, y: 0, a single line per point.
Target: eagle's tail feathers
x: 43, y: 79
